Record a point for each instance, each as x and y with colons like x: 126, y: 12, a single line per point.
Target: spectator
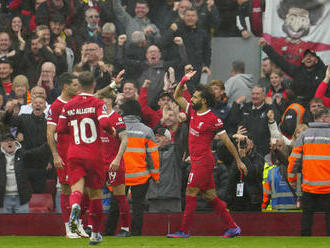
x: 228, y: 11
x: 34, y: 56
x: 249, y: 18
x: 221, y: 108
x: 92, y: 60
x: 20, y: 90
x: 6, y: 70
x: 15, y: 190
x: 37, y: 154
x: 323, y: 87
x: 314, y: 105
x: 165, y: 14
x: 266, y: 69
x: 276, y: 93
x: 251, y: 197
x: 15, y: 30
x: 239, y: 84
x: 166, y: 196
x: 140, y: 165
x: 90, y: 30
x: 253, y: 118
x: 310, y: 156
x: 36, y: 91
x: 306, y: 77
x: 108, y: 41
x: 155, y: 68
x: 140, y: 22
x: 209, y: 18
x: 276, y: 187
x: 47, y: 81
x: 196, y: 41
x: 150, y: 116
x: 43, y: 32
x: 69, y: 9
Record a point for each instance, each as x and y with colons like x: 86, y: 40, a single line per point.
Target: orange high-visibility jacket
x: 312, y: 155
x: 141, y: 156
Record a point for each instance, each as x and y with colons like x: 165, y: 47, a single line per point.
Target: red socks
x: 95, y: 214
x: 75, y: 198
x: 65, y: 206
x: 191, y: 202
x: 123, y: 209
x: 220, y: 209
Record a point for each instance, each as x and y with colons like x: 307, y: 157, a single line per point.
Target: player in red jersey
x: 204, y: 126
x: 114, y: 148
x: 83, y: 117
x: 70, y: 87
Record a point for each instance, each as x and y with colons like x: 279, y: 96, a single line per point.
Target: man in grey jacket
x: 239, y: 84
x: 140, y: 22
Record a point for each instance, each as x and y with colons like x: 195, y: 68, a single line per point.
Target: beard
x: 197, y: 106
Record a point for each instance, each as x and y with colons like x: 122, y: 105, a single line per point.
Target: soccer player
x: 113, y: 151
x: 83, y: 117
x: 204, y: 126
x: 70, y: 87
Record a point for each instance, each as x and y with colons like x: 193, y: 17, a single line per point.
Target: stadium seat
x: 41, y: 203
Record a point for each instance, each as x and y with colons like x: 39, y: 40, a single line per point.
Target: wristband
x: 183, y: 80
x: 113, y: 85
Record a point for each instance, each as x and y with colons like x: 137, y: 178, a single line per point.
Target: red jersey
x: 63, y: 139
x: 83, y: 117
x: 203, y: 128
x: 111, y: 143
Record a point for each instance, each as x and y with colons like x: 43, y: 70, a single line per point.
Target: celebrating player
x: 70, y: 88
x: 204, y: 126
x: 83, y: 117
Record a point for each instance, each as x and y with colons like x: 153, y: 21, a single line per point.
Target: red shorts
x: 91, y: 170
x: 117, y: 177
x: 62, y: 174
x: 201, y: 178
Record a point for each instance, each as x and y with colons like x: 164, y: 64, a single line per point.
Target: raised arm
x: 178, y: 93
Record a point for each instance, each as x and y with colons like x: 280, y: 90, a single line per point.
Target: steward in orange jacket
x: 141, y: 160
x: 311, y: 155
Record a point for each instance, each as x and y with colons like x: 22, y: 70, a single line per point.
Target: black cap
x: 5, y: 60
x: 7, y: 136
x: 310, y: 51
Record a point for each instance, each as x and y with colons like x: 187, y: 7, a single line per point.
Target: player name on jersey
x: 81, y: 111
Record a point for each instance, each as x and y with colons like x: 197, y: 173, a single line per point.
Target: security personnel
x: 311, y: 155
x: 141, y: 160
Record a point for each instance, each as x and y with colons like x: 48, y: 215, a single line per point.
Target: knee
x: 94, y: 194
x: 192, y: 191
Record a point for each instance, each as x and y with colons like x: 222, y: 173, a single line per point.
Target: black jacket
x: 23, y: 186
x: 36, y: 150
x: 305, y: 82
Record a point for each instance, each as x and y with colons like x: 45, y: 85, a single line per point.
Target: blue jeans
x: 11, y: 205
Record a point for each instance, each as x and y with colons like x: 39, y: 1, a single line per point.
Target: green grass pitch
x: 163, y: 242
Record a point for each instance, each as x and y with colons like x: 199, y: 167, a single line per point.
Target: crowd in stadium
x: 138, y: 51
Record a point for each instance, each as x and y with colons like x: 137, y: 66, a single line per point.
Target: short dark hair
x: 86, y: 79
x: 238, y: 66
x: 314, y: 7
x: 131, y: 107
x: 142, y: 2
x: 322, y: 111
x: 207, y: 94
x: 66, y: 78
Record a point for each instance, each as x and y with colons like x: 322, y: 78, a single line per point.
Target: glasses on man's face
x: 94, y: 16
